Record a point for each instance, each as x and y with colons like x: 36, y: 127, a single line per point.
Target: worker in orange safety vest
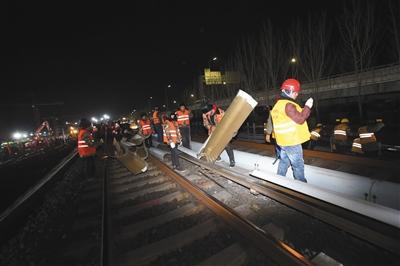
x: 156, y: 119
x: 145, y: 129
x: 173, y: 138
x: 183, y: 119
x: 212, y: 116
x: 86, y: 147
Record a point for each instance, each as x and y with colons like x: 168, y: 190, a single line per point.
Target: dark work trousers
x: 175, y: 157
x: 148, y: 142
x: 89, y: 169
x: 185, y: 133
x: 159, y: 131
x: 229, y: 151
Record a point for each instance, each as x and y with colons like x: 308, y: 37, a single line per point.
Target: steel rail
x: 372, y: 231
x: 275, y: 249
x: 18, y: 209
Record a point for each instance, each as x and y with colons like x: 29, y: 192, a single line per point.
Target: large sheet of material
x: 132, y: 156
x: 342, y: 189
x: 240, y: 108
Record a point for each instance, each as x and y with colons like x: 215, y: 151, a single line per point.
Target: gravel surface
x: 45, y: 225
x: 198, y: 250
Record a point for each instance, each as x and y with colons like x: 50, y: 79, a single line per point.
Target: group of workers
x: 287, y: 128
x: 343, y: 139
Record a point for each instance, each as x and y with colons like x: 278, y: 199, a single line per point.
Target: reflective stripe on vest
x: 287, y: 132
x: 340, y: 132
x: 316, y: 134
x: 366, y: 135
x: 357, y: 145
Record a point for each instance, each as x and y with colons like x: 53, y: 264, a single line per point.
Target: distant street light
x: 224, y: 82
x: 215, y: 58
x: 106, y: 116
x: 192, y: 95
x: 174, y: 101
x: 94, y: 119
x: 169, y: 86
x: 293, y: 60
x: 151, y: 97
x: 17, y: 136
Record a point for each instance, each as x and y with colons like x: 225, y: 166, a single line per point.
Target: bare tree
x: 309, y: 43
x: 394, y: 7
x: 359, y: 33
x: 273, y: 58
x: 245, y: 63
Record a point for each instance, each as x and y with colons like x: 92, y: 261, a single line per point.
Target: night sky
x: 109, y: 57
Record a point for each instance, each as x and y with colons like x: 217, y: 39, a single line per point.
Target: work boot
x: 232, y: 164
x: 180, y: 169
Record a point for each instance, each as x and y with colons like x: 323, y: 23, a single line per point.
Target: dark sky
x: 109, y: 57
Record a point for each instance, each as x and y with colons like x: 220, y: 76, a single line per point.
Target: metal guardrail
x: 13, y: 215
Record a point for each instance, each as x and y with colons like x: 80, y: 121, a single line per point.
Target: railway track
x: 203, y: 216
x: 160, y: 218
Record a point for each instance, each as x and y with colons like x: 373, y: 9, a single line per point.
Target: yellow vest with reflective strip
x: 287, y: 132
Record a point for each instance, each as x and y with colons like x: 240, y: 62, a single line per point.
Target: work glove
x: 310, y: 102
x: 268, y: 138
x: 172, y: 145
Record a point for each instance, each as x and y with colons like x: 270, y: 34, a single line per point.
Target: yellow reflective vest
x: 287, y: 132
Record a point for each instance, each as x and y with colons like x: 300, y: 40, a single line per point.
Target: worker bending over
x: 212, y: 116
x: 291, y: 129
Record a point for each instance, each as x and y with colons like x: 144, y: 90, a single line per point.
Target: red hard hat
x: 291, y: 84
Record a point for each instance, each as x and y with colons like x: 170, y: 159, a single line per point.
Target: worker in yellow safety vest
x: 291, y: 129
x: 315, y: 136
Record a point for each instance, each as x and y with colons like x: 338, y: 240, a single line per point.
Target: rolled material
x: 240, y: 108
x: 135, y: 164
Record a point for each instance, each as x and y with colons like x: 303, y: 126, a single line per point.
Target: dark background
x: 99, y: 57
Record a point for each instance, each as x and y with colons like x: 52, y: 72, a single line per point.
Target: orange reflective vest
x: 217, y: 119
x: 84, y: 147
x: 171, y: 132
x: 145, y: 125
x: 183, y: 117
x: 156, y: 119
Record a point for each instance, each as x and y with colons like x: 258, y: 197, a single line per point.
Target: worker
x: 156, y: 117
x: 212, y: 116
x: 146, y: 129
x: 315, y: 136
x: 173, y: 138
x: 86, y: 147
x: 341, y: 134
x: 183, y: 119
x: 270, y: 135
x: 291, y: 129
x: 368, y: 137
